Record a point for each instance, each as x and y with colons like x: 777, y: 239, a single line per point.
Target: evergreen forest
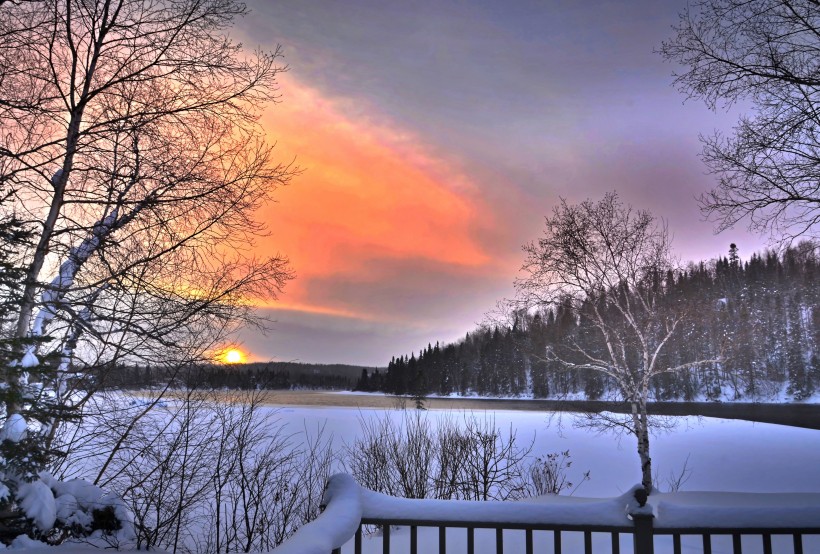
x: 759, y: 319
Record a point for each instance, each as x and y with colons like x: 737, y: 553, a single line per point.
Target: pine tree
x: 363, y: 384
x: 25, y: 437
x: 537, y: 353
x: 800, y: 385
x: 734, y: 257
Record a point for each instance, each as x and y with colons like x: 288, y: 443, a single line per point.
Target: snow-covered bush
x: 53, y: 511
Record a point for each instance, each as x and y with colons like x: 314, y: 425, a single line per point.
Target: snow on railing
x: 348, y: 505
x: 335, y: 526
x: 735, y: 510
x: 560, y: 511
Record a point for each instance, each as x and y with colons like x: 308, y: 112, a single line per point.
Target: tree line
x: 249, y: 376
x: 760, y: 318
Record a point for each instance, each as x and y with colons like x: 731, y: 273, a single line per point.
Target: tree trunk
x: 641, y: 422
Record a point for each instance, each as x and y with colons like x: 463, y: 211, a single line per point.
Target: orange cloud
x: 369, y: 192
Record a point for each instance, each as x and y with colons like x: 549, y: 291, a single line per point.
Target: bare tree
x: 765, y: 53
x: 130, y: 137
x: 609, y: 263
x: 200, y: 473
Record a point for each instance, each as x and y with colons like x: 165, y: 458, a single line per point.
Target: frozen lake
x: 723, y: 455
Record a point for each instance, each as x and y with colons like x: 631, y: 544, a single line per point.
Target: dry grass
x: 328, y: 399
x: 331, y: 399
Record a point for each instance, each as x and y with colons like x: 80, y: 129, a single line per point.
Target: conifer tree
x: 800, y: 385
x: 24, y: 450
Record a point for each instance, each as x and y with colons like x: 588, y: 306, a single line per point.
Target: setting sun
x: 234, y: 356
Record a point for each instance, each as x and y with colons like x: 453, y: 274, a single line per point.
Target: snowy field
x: 721, y: 455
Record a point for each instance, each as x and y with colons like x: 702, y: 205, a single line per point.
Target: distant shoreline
x: 794, y: 414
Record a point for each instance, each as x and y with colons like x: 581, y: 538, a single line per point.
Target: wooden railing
x: 630, y: 527
x: 558, y: 532
x: 737, y: 535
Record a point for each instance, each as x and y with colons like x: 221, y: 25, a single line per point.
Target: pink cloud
x: 370, y: 193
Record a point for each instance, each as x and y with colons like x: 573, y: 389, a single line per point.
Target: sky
x: 434, y: 136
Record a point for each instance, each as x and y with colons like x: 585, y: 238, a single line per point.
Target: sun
x: 233, y: 356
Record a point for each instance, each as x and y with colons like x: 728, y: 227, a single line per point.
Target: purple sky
x: 435, y: 137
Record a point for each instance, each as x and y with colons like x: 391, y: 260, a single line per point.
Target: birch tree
x: 610, y: 263
x: 132, y: 144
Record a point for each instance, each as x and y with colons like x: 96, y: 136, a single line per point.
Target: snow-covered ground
x: 720, y: 455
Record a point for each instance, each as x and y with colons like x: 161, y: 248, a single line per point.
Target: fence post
x: 643, y: 537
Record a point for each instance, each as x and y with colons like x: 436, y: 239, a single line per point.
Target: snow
x: 56, y: 177
x: 47, y: 499
x: 37, y: 501
x: 77, y: 498
x: 14, y: 429
x: 775, y: 458
x: 27, y: 543
x: 335, y: 525
x: 560, y: 510
x: 29, y: 359
x: 718, y: 509
x: 671, y: 511
x: 32, y: 546
x: 778, y: 396
x: 722, y: 455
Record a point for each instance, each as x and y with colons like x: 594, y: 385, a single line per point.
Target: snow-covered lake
x: 721, y: 455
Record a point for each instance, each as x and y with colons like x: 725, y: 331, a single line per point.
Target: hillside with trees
x: 760, y: 318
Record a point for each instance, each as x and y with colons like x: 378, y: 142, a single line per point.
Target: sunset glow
x: 369, y: 193
x: 233, y: 356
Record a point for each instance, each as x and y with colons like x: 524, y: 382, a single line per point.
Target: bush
x: 468, y: 460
